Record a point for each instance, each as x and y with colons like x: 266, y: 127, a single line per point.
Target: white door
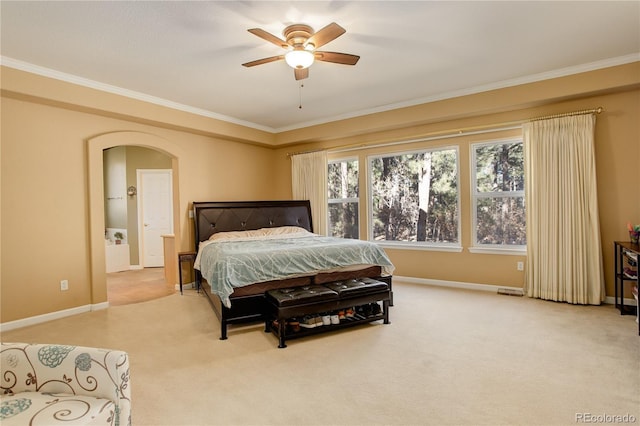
x: 155, y: 214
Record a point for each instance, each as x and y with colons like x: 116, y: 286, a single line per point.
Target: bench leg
x: 385, y: 309
x: 282, y: 325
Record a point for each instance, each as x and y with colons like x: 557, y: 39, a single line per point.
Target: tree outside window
x: 498, y: 194
x: 414, y: 197
x: 343, y: 198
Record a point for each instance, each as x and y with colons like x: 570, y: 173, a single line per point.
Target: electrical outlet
x: 64, y: 285
x: 520, y: 266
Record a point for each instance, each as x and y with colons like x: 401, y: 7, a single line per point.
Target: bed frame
x: 248, y: 303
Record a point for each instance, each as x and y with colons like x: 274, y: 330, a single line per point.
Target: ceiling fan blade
x: 301, y: 74
x: 263, y: 61
x: 338, y: 58
x: 269, y: 37
x: 325, y: 35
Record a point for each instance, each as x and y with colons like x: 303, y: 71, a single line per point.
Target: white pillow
x: 284, y: 231
x: 234, y: 235
x: 260, y: 234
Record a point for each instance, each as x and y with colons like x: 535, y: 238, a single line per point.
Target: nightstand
x: 185, y: 256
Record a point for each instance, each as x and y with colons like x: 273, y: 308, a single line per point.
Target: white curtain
x: 563, y: 232
x: 309, y: 182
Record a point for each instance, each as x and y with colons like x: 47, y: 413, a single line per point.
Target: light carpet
x: 449, y: 357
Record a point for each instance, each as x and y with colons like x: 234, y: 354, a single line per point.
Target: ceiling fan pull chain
x: 300, y: 105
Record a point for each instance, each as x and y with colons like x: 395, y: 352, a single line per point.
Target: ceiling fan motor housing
x: 297, y: 35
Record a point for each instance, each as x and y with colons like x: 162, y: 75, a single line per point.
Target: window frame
x: 355, y: 200
x: 414, y: 245
x: 516, y: 250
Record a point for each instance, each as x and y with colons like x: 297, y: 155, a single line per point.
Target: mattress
x: 265, y: 256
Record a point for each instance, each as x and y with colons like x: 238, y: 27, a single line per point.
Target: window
x: 414, y: 197
x: 343, y: 198
x: 498, y: 194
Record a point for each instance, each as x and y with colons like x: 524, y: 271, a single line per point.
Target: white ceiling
x: 189, y: 54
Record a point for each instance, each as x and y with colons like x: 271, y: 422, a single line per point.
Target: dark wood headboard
x: 221, y: 216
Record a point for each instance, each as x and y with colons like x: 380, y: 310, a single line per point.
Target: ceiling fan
x: 301, y: 43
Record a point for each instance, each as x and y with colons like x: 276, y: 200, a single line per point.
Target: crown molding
x: 69, y: 78
x: 564, y: 72
x: 92, y: 84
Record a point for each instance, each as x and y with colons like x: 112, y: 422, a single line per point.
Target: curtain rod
x: 474, y: 130
x: 291, y: 154
x: 568, y: 114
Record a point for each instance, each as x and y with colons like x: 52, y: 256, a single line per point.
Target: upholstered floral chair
x: 63, y: 385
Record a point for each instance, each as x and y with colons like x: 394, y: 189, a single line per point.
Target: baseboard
x: 487, y: 287
x: 12, y: 325
x: 457, y: 284
x: 628, y: 302
x: 186, y: 286
x: 99, y: 306
x: 135, y: 267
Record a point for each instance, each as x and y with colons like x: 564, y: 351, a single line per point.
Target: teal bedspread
x: 229, y: 264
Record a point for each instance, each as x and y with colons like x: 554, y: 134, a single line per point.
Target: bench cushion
x: 27, y: 408
x: 301, y: 295
x: 357, y: 287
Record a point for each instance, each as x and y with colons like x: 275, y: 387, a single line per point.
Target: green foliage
x: 501, y: 220
x: 343, y: 179
x: 343, y: 220
x: 500, y: 167
x: 500, y: 209
x: 415, y: 197
x: 343, y: 199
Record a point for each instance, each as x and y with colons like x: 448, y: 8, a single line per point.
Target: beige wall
x: 617, y: 160
x: 47, y: 227
x: 53, y: 134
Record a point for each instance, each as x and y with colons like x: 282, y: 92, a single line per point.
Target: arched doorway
x: 96, y: 146
x: 138, y: 210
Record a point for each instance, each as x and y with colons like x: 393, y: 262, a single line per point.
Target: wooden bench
x: 284, y: 305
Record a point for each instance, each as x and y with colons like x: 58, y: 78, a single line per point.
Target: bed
x: 236, y: 300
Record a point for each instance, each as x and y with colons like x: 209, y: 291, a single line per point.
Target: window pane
x: 499, y: 194
x: 343, y: 220
x: 501, y: 220
x: 343, y: 198
x: 343, y: 179
x: 415, y: 197
x: 500, y: 167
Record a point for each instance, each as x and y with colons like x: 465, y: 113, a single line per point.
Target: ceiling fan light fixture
x: 300, y: 43
x: 299, y: 58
